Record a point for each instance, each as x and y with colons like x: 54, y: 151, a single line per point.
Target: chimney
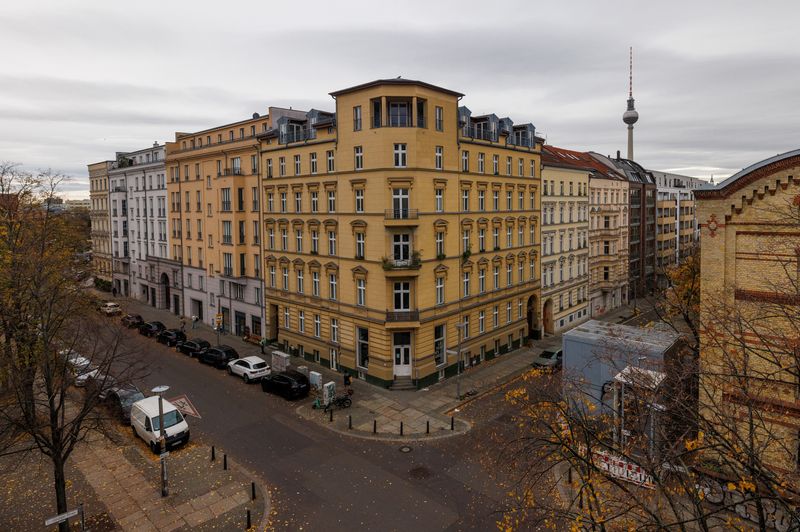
x: 618, y: 155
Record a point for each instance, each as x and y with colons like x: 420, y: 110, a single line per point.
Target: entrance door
x: 240, y: 321
x: 402, y: 354
x: 548, y: 317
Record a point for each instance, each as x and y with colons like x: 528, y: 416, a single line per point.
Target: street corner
x: 385, y: 422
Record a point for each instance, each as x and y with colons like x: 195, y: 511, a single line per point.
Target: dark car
x: 192, y: 347
x: 290, y: 384
x: 550, y: 360
x: 170, y: 337
x: 151, y: 328
x: 132, y: 321
x: 218, y: 356
x: 119, y: 400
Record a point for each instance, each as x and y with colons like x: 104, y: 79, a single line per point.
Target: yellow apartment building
x: 215, y: 223
x: 565, y: 239
x: 394, y: 223
x: 608, y: 237
x: 100, y: 220
x: 750, y: 242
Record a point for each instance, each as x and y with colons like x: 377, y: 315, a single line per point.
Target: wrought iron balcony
x: 402, y: 315
x: 402, y: 214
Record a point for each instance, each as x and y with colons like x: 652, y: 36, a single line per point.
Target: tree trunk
x: 61, y: 491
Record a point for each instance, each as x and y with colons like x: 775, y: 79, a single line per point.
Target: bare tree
x: 46, y: 318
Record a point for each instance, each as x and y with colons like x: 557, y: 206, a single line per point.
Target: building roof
x: 751, y: 173
x: 554, y: 156
x: 632, y: 171
x: 394, y: 81
x: 624, y: 337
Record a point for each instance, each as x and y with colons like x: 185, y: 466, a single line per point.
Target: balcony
x: 400, y: 217
x: 402, y: 316
x: 233, y: 171
x: 480, y: 133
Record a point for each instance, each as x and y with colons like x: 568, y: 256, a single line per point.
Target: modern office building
x: 565, y: 238
x: 398, y: 228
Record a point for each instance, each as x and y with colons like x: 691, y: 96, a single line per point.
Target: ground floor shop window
x: 439, y: 345
x: 362, y: 347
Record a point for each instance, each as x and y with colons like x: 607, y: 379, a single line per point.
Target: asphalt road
x: 322, y: 480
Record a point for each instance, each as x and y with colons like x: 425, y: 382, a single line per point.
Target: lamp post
x: 162, y: 441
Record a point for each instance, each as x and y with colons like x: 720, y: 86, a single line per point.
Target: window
x: 532, y: 196
x: 495, y: 164
x: 271, y: 238
x: 270, y: 203
x: 481, y: 200
x: 465, y: 328
x: 315, y: 284
x: 226, y: 199
x: 400, y: 155
x: 509, y: 202
x: 481, y: 163
x: 331, y: 201
x: 496, y: 317
x: 509, y: 275
x: 496, y: 200
x: 226, y: 232
x: 301, y: 321
x: 362, y: 347
x: 317, y: 325
x: 284, y: 239
x: 401, y: 247
x: 466, y: 284
x: 509, y: 237
x: 360, y: 200
x: 241, y: 232
x: 465, y: 200
x: 481, y: 281
x: 361, y: 292
x: 440, y: 290
x: 315, y: 242
x: 439, y: 157
x: 254, y: 193
x: 297, y: 165
x: 283, y: 201
x: 313, y: 162
x: 236, y: 162
x: 332, y: 286
x: 439, y: 343
x: 439, y: 244
x: 402, y: 296
x: 464, y: 161
x: 300, y: 282
x: 272, y: 276
x: 269, y: 167
x: 329, y: 155
x: 398, y: 114
x: 282, y: 166
x: 439, y: 118
x: 285, y: 274
x: 481, y: 322
x: 521, y: 167
x: 359, y: 157
x: 298, y: 236
x: 496, y: 238
x: 439, y: 199
x: 521, y: 200
x: 496, y: 277
x: 331, y: 242
x: 400, y: 203
x: 285, y: 317
x: 314, y: 201
x: 334, y: 330
x: 465, y: 244
x: 481, y: 239
x: 357, y: 118
x: 360, y: 245
x: 508, y: 165
x: 298, y: 202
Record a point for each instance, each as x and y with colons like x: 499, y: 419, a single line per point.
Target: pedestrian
x: 114, y: 291
x: 183, y: 324
x: 347, y: 381
x: 263, y: 344
x: 194, y: 321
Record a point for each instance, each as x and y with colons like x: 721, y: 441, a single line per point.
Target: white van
x: 144, y: 420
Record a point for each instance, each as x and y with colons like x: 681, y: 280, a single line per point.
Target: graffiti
x: 779, y: 518
x: 616, y: 467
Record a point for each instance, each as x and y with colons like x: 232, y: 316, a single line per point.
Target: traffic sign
x: 60, y: 518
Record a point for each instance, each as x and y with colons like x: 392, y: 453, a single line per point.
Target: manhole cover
x: 420, y: 473
x: 405, y: 449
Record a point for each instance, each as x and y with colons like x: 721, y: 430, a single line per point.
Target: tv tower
x: 630, y: 116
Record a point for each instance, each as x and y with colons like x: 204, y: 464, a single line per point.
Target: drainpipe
x: 263, y: 299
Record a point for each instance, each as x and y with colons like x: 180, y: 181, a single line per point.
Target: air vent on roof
x: 256, y: 115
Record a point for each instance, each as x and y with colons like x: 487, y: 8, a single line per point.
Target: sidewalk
x: 377, y: 413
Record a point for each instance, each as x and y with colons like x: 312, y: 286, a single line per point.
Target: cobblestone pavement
x: 378, y: 412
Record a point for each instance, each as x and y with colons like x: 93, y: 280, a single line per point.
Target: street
x: 319, y: 476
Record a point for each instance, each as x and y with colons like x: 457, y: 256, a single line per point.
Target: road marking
x: 185, y: 406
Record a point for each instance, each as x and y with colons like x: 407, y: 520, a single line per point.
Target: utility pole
x: 162, y: 444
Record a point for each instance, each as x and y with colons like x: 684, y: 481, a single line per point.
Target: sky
x: 717, y: 83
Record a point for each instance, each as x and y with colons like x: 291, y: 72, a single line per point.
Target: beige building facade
x: 100, y: 220
x: 565, y: 240
x: 397, y: 228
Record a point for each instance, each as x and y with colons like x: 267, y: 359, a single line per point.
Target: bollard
x: 213, y: 455
x: 374, y: 426
x: 249, y: 525
x: 401, y: 428
x: 224, y: 461
x: 350, y: 422
x: 330, y: 419
x: 452, y: 423
x: 428, y: 427
x: 252, y: 491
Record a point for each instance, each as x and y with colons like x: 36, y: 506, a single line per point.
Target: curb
x: 466, y: 426
x: 511, y: 378
x: 265, y: 518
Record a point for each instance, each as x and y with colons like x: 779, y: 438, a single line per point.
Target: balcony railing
x: 413, y: 263
x: 402, y: 214
x: 479, y: 133
x: 233, y: 171
x: 402, y: 315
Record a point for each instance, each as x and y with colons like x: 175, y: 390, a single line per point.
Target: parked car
x: 548, y: 360
x: 249, y: 368
x: 100, y: 383
x: 120, y: 399
x: 218, y: 355
x: 146, y: 424
x: 110, y: 308
x: 170, y: 337
x: 80, y: 366
x: 289, y: 384
x: 132, y: 321
x: 151, y: 328
x: 192, y: 347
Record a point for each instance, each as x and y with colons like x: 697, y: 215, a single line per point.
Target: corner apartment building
x: 100, y: 220
x: 395, y: 222
x: 215, y: 223
x: 676, y: 224
x: 749, y: 272
x: 565, y: 239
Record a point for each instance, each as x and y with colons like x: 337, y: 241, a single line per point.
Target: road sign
x: 218, y: 319
x: 60, y: 518
x: 185, y: 406
x: 163, y: 455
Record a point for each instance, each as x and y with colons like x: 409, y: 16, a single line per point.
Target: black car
x: 120, y: 399
x: 290, y: 384
x: 218, y: 355
x: 151, y: 328
x: 192, y: 347
x: 132, y: 321
x: 170, y: 337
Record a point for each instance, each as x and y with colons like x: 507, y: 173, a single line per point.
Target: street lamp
x: 162, y: 444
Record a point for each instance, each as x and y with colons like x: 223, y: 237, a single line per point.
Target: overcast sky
x: 717, y: 84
